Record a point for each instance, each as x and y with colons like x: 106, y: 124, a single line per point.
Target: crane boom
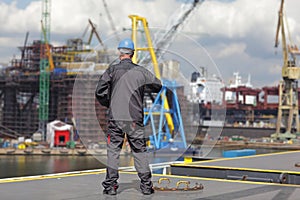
x: 111, y: 22
x: 280, y: 15
x: 94, y: 31
x: 163, y: 40
x: 280, y: 26
x: 174, y: 26
x: 23, y: 49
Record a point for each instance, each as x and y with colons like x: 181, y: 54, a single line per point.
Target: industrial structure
x: 288, y: 109
x: 38, y: 88
x: 46, y: 66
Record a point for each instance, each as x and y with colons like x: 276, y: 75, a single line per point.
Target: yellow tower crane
x: 135, y: 19
x: 288, y: 111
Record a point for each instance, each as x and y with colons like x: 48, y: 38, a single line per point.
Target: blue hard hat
x: 126, y: 44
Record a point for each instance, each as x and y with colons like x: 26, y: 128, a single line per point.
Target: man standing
x: 121, y: 88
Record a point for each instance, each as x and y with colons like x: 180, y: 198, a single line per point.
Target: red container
x: 61, y: 138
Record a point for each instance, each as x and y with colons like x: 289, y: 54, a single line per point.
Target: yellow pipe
x: 134, y: 35
x: 135, y: 20
x: 150, y: 46
x: 48, y: 51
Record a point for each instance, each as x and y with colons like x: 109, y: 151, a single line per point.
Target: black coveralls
x: 121, y: 88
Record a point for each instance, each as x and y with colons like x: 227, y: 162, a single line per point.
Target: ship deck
x: 86, y: 185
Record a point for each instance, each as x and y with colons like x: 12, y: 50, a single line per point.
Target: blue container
x: 6, y: 144
x: 58, y: 71
x: 238, y: 153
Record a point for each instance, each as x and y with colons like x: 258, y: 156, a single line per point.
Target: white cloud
x: 275, y: 69
x: 71, y: 16
x: 236, y: 20
x: 15, y: 20
x: 8, y: 41
x: 231, y: 49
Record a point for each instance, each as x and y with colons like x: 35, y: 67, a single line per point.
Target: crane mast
x: 288, y: 111
x: 45, y: 66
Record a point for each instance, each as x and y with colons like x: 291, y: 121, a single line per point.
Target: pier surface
x: 87, y: 185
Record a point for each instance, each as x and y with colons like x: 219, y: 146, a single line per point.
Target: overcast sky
x: 238, y: 35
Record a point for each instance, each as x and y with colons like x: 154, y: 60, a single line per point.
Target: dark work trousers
x: 137, y: 141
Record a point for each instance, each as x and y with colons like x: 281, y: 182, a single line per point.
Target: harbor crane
x: 288, y: 110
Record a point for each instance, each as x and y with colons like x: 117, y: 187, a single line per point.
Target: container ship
x: 250, y: 112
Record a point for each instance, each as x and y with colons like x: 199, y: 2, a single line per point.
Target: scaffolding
x: 19, y: 105
x: 19, y: 90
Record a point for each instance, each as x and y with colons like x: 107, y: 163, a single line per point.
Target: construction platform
x: 87, y: 185
x: 281, y: 168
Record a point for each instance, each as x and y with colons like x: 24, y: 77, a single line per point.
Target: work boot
x: 146, y: 185
x: 147, y: 191
x: 110, y: 191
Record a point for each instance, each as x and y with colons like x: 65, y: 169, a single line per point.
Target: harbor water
x: 28, y: 165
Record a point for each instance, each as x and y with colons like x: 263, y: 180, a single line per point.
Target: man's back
x: 121, y: 88
x: 128, y: 82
